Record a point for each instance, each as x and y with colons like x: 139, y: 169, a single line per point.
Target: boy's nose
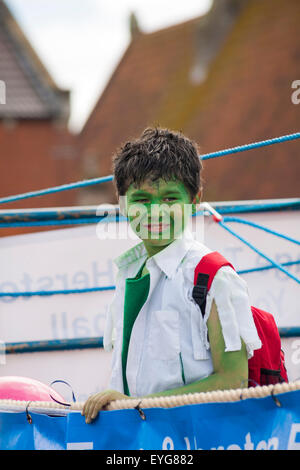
x: 156, y: 213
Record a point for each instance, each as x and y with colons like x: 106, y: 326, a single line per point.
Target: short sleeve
x: 231, y: 296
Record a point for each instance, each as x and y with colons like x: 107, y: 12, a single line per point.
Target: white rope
x: 216, y: 396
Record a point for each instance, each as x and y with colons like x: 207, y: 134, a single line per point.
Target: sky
x: 81, y: 41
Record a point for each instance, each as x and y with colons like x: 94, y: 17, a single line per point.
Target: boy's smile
x: 158, y: 212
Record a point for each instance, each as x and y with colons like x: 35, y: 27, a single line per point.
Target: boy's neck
x: 154, y: 249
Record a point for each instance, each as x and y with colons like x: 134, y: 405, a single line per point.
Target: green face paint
x: 158, y: 212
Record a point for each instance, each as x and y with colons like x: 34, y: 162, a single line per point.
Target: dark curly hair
x: 158, y: 153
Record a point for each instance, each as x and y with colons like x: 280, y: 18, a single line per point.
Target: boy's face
x: 158, y: 211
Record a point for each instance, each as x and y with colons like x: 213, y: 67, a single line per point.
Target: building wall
x: 36, y: 155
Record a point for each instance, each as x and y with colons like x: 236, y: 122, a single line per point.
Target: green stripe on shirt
x: 136, y: 293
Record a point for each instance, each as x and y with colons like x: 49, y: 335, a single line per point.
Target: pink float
x: 25, y: 388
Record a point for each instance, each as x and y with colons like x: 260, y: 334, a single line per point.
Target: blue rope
x: 94, y: 342
x: 254, y: 145
x: 56, y: 292
x: 56, y: 189
x: 97, y: 289
x: 119, y: 217
x: 259, y: 207
x: 41, y: 223
x: 49, y: 218
x: 269, y: 266
x: 261, y: 227
x: 54, y: 345
x: 277, y: 265
x: 81, y: 184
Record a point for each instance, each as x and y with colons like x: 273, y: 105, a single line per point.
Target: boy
x: 163, y: 345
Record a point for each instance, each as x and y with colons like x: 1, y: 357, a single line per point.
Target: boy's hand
x: 97, y: 402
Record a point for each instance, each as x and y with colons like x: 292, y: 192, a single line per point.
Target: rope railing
x: 91, y: 342
x: 112, y: 287
x: 254, y: 145
x: 255, y: 249
x: 57, y: 292
x: 269, y: 266
x: 58, y: 222
x: 67, y: 344
x: 93, y: 214
x: 261, y: 227
x: 94, y: 181
x: 56, y: 189
x: 216, y: 396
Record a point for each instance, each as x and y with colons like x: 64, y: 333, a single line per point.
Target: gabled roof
x: 30, y: 91
x: 224, y: 79
x: 246, y: 98
x: 148, y: 80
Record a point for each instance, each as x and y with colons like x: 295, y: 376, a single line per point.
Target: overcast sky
x: 81, y: 41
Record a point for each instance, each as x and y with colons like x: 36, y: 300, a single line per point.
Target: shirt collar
x: 167, y: 259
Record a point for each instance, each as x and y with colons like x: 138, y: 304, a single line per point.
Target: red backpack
x: 266, y: 366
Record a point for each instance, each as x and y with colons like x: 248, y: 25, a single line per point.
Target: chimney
x: 134, y: 26
x: 211, y: 33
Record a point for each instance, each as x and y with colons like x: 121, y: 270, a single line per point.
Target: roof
x: 224, y: 79
x: 139, y: 90
x: 30, y: 91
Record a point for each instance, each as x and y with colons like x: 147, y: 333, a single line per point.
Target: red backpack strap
x: 205, y: 272
x: 210, y: 265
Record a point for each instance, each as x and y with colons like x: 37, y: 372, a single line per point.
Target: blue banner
x: 252, y: 424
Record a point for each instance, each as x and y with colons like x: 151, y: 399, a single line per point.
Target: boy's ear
x: 196, y: 201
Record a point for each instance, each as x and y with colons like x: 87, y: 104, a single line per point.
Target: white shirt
x: 168, y: 345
